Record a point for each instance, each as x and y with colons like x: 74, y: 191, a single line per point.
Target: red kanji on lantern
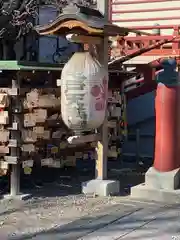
x: 95, y: 91
x: 99, y: 106
x: 100, y: 93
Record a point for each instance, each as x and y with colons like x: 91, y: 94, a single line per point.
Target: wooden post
x: 102, y: 147
x: 15, y: 134
x: 15, y: 180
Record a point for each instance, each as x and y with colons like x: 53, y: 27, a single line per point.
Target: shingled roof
x: 77, y: 18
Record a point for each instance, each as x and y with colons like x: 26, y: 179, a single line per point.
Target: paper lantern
x: 84, y: 87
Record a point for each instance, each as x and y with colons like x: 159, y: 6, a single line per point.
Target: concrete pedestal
x: 159, y: 186
x: 21, y: 197
x: 101, y: 187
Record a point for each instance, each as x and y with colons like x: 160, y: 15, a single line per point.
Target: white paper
x: 27, y: 163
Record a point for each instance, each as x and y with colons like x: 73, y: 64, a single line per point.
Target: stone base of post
x: 159, y: 186
x: 101, y: 188
x: 20, y: 197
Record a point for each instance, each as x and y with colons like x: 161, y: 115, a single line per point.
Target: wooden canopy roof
x: 82, y: 20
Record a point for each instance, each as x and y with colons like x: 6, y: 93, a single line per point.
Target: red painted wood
x: 146, y: 10
x: 145, y: 19
x: 149, y: 38
x: 140, y: 1
x: 110, y: 11
x: 163, y: 52
x: 176, y: 45
x: 158, y: 52
x: 167, y: 102
x: 167, y: 143
x: 154, y: 27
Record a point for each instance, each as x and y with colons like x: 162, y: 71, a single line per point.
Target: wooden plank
x: 13, y: 143
x: 28, y: 136
x: 102, y: 146
x: 9, y: 91
x: 44, y: 101
x: 4, y: 135
x: 11, y: 159
x: 4, y: 117
x: 4, y: 149
x: 28, y: 148
x: 84, y: 139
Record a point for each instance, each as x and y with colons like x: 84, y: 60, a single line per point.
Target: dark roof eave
x: 93, y: 22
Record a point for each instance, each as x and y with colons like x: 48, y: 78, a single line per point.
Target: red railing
x: 129, y: 44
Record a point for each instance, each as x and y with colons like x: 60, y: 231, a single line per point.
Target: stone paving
x: 139, y: 221
x: 61, y: 213
x: 41, y: 214
x: 78, y: 217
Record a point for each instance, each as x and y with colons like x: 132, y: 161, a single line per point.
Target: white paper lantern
x: 84, y: 91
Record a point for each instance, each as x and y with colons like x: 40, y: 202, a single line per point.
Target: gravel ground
x: 54, y: 205
x: 42, y: 213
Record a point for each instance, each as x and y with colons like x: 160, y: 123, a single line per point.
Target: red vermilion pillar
x: 162, y: 180
x: 167, y: 142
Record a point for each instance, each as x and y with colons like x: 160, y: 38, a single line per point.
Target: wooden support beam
x: 84, y: 139
x: 83, y: 39
x: 15, y: 134
x: 102, y: 146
